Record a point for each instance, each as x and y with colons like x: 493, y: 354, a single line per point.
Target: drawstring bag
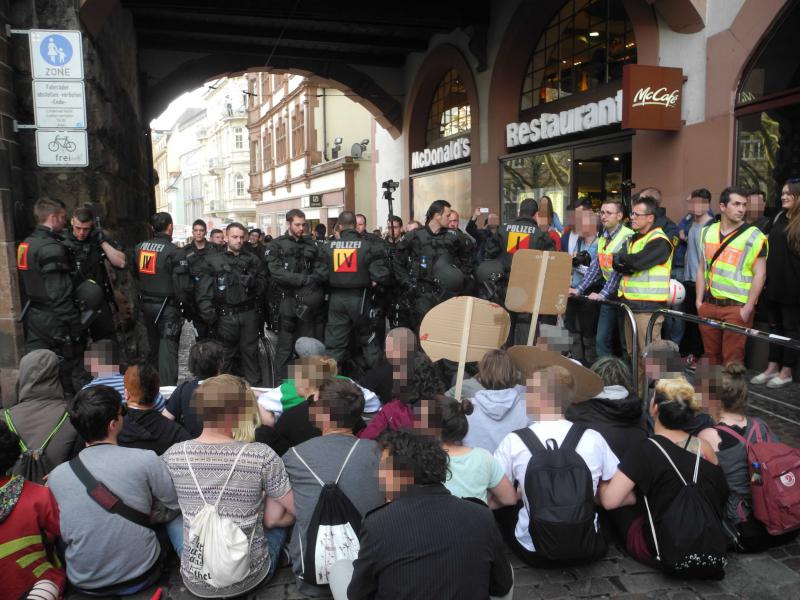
x: 221, y: 546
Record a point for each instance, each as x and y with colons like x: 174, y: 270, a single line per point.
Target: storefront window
x: 534, y: 176
x: 768, y: 114
x: 585, y: 45
x: 453, y: 185
x: 450, y: 114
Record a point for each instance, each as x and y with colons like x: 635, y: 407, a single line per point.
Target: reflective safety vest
x: 731, y: 275
x: 606, y: 247
x: 651, y: 285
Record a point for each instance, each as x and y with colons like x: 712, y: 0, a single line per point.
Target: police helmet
x: 489, y: 271
x: 89, y: 295
x: 449, y: 277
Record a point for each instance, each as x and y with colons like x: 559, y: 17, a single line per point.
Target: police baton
x: 363, y: 301
x: 25, y: 308
x: 161, y: 310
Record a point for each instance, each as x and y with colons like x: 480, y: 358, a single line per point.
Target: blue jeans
x: 606, y: 325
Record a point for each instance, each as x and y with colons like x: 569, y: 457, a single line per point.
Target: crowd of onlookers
x: 384, y: 487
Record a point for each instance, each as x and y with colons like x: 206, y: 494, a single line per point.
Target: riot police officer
x: 520, y: 234
x: 356, y: 264
x: 163, y: 284
x: 298, y: 269
x: 228, y: 294
x: 51, y: 318
x: 196, y: 254
x: 90, y: 249
x: 432, y: 262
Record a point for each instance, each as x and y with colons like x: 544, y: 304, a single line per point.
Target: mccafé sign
x: 652, y: 97
x: 455, y: 150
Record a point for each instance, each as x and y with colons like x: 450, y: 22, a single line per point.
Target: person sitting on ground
x: 497, y: 398
x: 106, y: 553
x: 40, y: 417
x: 615, y: 413
x: 729, y: 403
x: 425, y: 543
x: 474, y: 472
x: 246, y: 481
x: 143, y: 426
x: 29, y: 527
x: 413, y: 377
x: 336, y: 409
x: 550, y: 392
x: 205, y: 361
x: 102, y: 361
x: 645, y: 467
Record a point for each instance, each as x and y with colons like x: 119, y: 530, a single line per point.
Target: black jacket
x: 150, y: 430
x: 783, y: 266
x: 429, y: 544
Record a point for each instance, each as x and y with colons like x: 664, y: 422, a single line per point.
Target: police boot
x: 589, y: 350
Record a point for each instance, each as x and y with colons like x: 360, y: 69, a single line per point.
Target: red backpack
x: 774, y: 479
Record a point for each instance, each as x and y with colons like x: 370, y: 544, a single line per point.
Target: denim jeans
x: 606, y: 325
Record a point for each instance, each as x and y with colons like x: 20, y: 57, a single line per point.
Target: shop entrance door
x: 600, y: 172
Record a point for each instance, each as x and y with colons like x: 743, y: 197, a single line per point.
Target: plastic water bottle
x: 423, y: 262
x: 755, y: 478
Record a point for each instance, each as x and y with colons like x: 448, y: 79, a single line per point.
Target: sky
x: 175, y: 109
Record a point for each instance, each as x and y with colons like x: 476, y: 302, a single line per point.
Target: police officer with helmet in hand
x: 163, y: 285
x: 433, y: 262
x: 227, y: 296
x: 356, y: 264
x: 51, y: 317
x: 298, y: 269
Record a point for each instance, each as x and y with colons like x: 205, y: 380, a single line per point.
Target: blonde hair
x: 563, y: 385
x: 312, y: 367
x: 225, y: 395
x: 677, y: 402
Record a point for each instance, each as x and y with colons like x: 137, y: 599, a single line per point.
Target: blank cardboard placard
x: 528, y: 359
x: 529, y: 275
x: 463, y: 329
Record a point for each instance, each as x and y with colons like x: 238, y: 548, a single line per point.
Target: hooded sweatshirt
x: 495, y: 414
x: 616, y: 414
x: 41, y: 406
x: 148, y: 429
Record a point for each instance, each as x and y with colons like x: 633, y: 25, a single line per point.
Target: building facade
x: 310, y: 148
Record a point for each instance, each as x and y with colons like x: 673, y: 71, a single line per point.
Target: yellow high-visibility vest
x: 651, y: 285
x: 606, y: 249
x: 731, y: 275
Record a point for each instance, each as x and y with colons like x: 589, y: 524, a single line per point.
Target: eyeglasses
x: 635, y: 214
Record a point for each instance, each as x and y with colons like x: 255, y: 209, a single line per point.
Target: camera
x: 582, y: 259
x: 390, y: 185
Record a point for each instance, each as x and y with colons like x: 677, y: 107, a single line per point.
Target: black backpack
x: 334, y: 529
x: 33, y: 465
x: 560, y: 493
x: 689, y: 540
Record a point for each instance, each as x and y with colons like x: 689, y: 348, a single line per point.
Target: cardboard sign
x: 527, y: 268
x: 529, y: 359
x: 651, y: 97
x: 463, y: 329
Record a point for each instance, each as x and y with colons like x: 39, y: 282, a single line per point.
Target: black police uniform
x: 355, y: 262
x: 227, y: 296
x: 297, y: 268
x: 196, y: 259
x: 52, y: 318
x: 163, y: 284
x: 520, y: 234
x: 415, y: 258
x: 88, y: 260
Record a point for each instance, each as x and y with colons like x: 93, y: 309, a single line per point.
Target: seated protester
x: 106, y: 553
x: 143, y: 426
x: 205, y: 360
x: 102, y: 362
x: 414, y: 376
x: 660, y: 467
x: 615, y: 413
x: 40, y: 417
x: 550, y: 392
x: 729, y: 401
x: 29, y: 528
x: 236, y: 476
x: 425, y: 543
x: 335, y: 457
x: 498, y: 401
x: 473, y: 472
x: 399, y: 345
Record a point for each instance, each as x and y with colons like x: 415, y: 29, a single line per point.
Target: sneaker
x: 778, y: 382
x: 761, y: 378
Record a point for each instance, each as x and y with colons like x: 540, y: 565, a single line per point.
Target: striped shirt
x: 118, y: 383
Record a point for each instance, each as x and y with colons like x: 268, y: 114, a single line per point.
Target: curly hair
x: 613, y: 371
x: 418, y: 454
x: 423, y: 380
x: 9, y: 448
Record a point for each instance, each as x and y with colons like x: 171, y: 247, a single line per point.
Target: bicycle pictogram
x: 61, y: 142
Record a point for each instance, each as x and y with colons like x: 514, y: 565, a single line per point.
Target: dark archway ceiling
x: 183, y: 42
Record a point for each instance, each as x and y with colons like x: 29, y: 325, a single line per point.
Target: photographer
x: 581, y: 317
x: 481, y: 235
